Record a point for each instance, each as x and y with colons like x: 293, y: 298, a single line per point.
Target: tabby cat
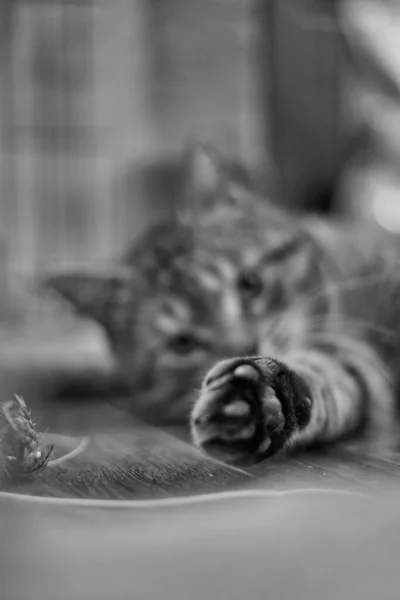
x: 264, y: 329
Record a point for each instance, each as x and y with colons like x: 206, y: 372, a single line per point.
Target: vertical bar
x: 302, y: 68
x: 7, y: 151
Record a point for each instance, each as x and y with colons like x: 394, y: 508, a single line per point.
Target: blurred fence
x: 99, y: 96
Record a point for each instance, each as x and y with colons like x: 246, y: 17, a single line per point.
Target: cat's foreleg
x: 250, y: 408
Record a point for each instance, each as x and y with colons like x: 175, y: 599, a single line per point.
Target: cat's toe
x: 237, y: 414
x: 247, y: 371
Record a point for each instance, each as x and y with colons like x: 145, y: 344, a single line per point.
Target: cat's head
x: 196, y: 288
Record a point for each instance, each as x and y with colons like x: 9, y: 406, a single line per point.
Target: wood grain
x: 133, y: 462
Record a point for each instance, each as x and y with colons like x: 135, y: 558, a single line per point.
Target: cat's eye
x: 250, y: 284
x: 183, y: 343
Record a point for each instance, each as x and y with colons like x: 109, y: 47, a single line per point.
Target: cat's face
x: 203, y: 287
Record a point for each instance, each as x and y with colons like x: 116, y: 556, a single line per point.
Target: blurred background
x: 99, y: 97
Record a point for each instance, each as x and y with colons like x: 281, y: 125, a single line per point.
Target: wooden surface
x: 327, y: 525
x: 127, y: 460
x: 123, y: 458
x: 116, y: 457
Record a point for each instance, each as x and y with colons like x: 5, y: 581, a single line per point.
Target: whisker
x: 333, y: 290
x: 349, y: 284
x: 349, y: 327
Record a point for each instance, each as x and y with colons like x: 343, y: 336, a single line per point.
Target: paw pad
x: 237, y: 408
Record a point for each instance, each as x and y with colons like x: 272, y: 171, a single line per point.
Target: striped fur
x: 311, y: 310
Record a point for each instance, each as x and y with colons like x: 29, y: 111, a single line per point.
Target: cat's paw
x: 248, y: 409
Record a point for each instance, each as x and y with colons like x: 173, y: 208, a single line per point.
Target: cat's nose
x: 237, y: 344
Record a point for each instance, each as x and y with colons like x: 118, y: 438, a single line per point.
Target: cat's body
x: 316, y: 307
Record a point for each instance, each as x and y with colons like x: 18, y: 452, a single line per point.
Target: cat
x: 264, y: 330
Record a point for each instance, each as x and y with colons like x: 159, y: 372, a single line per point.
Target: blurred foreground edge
x: 308, y: 545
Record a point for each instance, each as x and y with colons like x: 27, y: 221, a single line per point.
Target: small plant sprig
x: 21, y: 450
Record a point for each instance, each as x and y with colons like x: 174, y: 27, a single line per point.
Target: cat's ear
x: 205, y: 178
x: 93, y: 293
